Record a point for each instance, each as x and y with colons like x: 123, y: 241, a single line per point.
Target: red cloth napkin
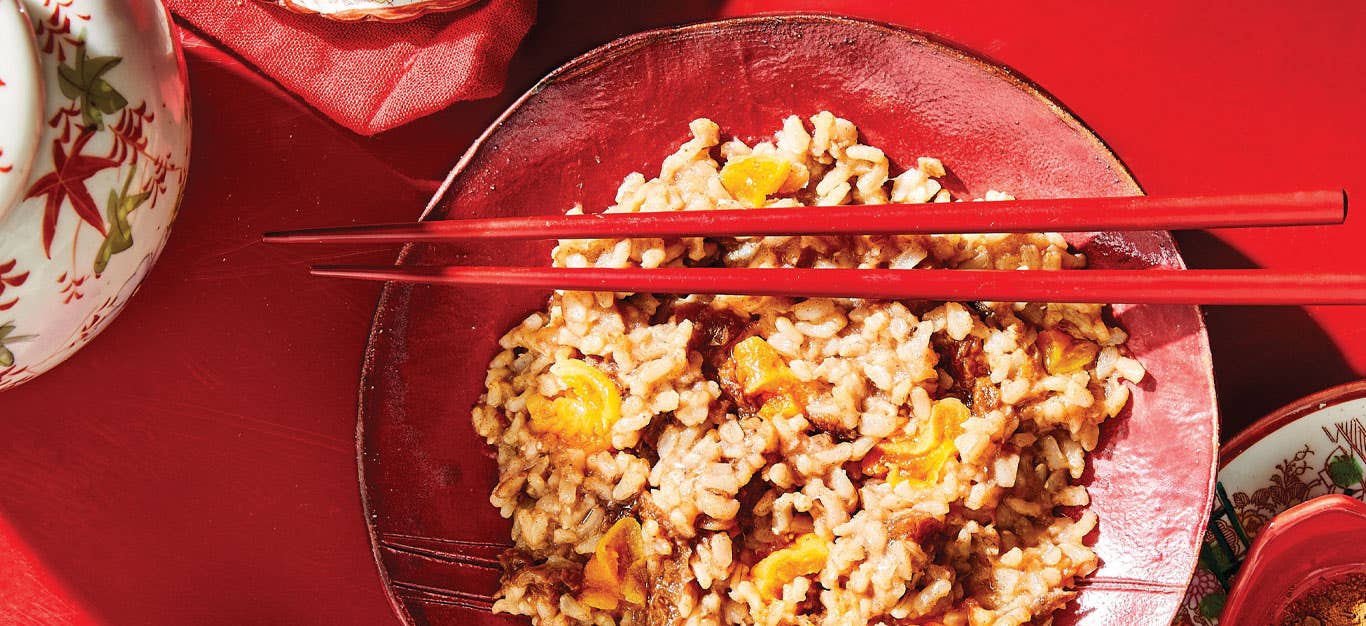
x: 370, y: 76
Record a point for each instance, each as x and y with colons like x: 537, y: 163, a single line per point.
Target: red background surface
x: 195, y: 463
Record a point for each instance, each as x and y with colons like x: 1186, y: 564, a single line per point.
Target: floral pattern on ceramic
x: 103, y: 185
x: 1317, y: 450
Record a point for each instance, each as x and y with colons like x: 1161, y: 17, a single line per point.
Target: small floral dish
x: 93, y: 155
x: 376, y: 10
x: 1298, y: 553
x: 1312, y: 447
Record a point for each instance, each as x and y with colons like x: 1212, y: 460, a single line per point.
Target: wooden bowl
x: 426, y: 476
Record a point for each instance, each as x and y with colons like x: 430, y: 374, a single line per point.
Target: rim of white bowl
x: 21, y: 101
x: 373, y: 10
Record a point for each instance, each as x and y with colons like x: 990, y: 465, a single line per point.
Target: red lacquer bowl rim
x: 625, y: 45
x: 1260, y: 578
x: 1288, y: 414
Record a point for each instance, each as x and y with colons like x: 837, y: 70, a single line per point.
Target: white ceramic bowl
x: 374, y: 10
x: 94, y: 146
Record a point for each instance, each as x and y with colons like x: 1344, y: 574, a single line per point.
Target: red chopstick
x: 1250, y: 287
x: 1054, y: 215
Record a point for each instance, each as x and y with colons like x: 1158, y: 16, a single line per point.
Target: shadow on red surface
x: 1280, y: 352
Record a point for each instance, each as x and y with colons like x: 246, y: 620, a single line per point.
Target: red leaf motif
x: 85, y: 206
x: 7, y: 281
x: 67, y: 182
x: 54, y: 202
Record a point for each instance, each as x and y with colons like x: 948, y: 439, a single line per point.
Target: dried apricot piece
x: 617, y: 570
x: 784, y: 405
x: 584, y: 415
x: 804, y: 557
x: 763, y: 373
x: 754, y: 178
x: 759, y: 368
x: 1063, y: 353
x: 918, y: 458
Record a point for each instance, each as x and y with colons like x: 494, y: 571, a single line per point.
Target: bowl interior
x: 426, y: 476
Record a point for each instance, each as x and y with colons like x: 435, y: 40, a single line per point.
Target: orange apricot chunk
x: 804, y: 557
x: 760, y: 369
x: 918, y: 458
x: 1063, y: 353
x: 584, y: 415
x: 617, y: 571
x: 763, y: 373
x: 754, y: 178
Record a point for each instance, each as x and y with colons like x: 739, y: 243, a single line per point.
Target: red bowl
x: 1296, y: 552
x: 426, y: 476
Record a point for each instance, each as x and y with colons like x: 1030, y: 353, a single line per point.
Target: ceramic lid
x: 21, y: 100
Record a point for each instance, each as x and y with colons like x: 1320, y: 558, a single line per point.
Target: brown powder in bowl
x: 1337, y: 602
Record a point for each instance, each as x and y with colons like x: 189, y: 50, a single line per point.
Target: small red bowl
x: 1297, y: 551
